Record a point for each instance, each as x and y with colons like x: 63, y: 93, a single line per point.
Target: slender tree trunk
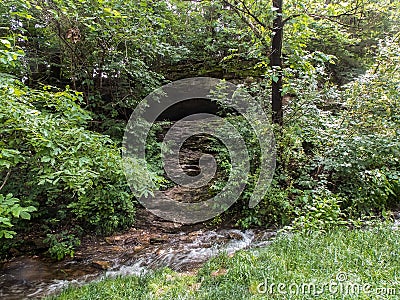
x: 276, y: 63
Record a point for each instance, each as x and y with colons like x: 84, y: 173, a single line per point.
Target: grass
x: 342, y: 264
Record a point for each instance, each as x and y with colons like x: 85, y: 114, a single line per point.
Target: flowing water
x: 135, y: 252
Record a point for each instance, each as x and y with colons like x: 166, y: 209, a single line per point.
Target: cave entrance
x: 190, y: 107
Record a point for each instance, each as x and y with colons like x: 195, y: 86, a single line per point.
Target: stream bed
x: 134, y: 252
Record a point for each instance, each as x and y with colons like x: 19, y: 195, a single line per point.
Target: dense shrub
x: 52, y: 164
x: 338, y: 152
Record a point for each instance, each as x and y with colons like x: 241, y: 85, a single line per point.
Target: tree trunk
x: 276, y: 63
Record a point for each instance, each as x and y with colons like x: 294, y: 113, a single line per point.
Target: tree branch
x: 291, y: 18
x: 240, y: 12
x: 247, y: 11
x: 331, y: 18
x: 262, y: 24
x: 5, y: 179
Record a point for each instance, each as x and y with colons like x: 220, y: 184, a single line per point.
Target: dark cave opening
x: 191, y: 107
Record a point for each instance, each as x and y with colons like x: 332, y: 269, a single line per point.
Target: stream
x: 132, y: 253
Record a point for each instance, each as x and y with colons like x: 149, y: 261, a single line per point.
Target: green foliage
x: 62, y: 244
x: 321, y: 212
x: 54, y: 165
x: 10, y: 210
x: 111, y: 51
x: 9, y: 55
x: 72, y: 71
x: 342, y: 142
x: 64, y: 166
x: 364, y: 156
x: 276, y: 209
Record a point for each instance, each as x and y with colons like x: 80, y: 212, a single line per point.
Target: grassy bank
x: 342, y: 264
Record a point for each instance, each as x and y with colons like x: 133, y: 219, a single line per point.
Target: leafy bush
x: 322, y: 212
x: 10, y: 209
x: 51, y: 162
x: 62, y: 245
x: 66, y: 167
x: 344, y: 142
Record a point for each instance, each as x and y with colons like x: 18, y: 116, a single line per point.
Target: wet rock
x: 191, y: 170
x: 138, y: 248
x: 158, y: 240
x: 160, y: 251
x: 235, y: 235
x: 207, y: 245
x: 267, y: 235
x: 117, y: 249
x: 15, y: 252
x: 130, y: 240
x: 149, y: 221
x: 109, y: 240
x: 114, y: 239
x: 195, y: 233
x: 101, y: 264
